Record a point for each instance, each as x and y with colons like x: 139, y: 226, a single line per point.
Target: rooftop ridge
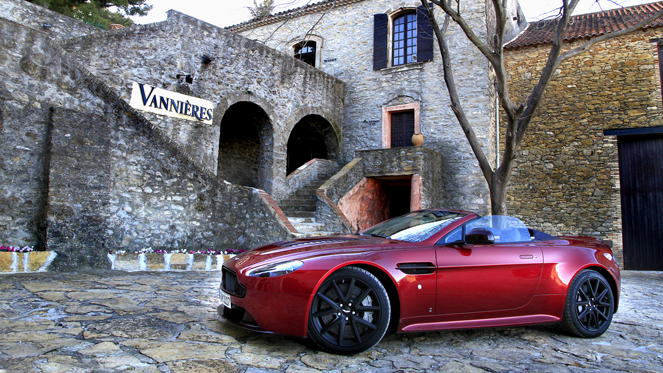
x: 588, y: 25
x: 291, y: 13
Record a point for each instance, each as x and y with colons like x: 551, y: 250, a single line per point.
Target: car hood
x: 315, y: 246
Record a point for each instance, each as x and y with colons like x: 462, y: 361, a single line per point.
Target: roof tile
x: 588, y: 25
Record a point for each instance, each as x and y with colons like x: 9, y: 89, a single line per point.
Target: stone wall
x: 281, y: 91
x: 34, y: 79
x: 566, y: 178
x: 55, y: 25
x: 83, y: 173
x: 345, y: 33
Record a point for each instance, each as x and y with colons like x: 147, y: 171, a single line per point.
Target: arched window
x: 305, y: 51
x: 405, y: 39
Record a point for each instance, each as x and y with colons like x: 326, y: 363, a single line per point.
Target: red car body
x: 431, y: 286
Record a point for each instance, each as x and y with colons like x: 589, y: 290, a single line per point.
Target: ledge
x: 39, y: 261
x: 167, y: 262
x: 25, y: 262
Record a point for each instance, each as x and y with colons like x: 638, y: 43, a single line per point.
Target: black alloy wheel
x: 589, y: 305
x: 350, y: 312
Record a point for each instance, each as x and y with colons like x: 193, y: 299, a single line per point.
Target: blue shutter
x: 425, y: 36
x: 380, y: 33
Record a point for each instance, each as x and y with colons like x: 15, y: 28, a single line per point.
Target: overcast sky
x: 229, y: 12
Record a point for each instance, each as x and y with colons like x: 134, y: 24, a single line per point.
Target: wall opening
x: 246, y: 146
x: 377, y: 199
x: 312, y: 137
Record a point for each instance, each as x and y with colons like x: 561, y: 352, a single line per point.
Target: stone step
x: 297, y: 220
x: 313, y: 234
x: 301, y: 214
x: 287, y: 209
x: 309, y: 227
x: 297, y: 202
x: 306, y: 192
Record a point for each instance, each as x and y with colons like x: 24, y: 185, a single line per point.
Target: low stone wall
x: 167, y: 262
x: 331, y: 192
x: 309, y: 171
x: 411, y: 160
x: 40, y: 261
x: 40, y: 18
x: 33, y: 261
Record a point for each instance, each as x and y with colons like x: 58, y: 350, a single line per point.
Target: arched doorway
x: 312, y: 137
x: 245, y: 147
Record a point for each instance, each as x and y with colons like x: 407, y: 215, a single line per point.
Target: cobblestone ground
x: 166, y: 322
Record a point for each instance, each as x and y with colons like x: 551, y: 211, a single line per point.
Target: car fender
x: 357, y: 263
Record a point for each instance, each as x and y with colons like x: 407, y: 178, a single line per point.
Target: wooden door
x: 641, y: 179
x: 402, y: 129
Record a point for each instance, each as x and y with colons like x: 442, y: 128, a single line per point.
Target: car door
x: 486, y: 277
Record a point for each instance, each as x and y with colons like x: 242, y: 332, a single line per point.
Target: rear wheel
x: 589, y: 305
x: 350, y: 312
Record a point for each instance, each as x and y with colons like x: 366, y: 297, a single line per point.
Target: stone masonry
x: 566, y: 178
x: 344, y: 33
x: 83, y: 173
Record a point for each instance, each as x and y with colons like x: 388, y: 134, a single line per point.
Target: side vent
x: 416, y: 268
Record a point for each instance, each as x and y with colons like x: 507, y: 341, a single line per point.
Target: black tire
x: 589, y: 305
x: 350, y: 312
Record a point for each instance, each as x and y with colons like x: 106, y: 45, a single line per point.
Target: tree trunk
x: 498, y: 197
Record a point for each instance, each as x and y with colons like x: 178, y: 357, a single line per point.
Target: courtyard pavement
x: 166, y: 322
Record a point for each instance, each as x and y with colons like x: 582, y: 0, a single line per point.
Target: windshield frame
x: 416, y: 222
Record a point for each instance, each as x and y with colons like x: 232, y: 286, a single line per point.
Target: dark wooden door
x: 402, y: 129
x: 641, y: 179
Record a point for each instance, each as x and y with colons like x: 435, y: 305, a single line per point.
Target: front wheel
x: 350, y: 312
x: 589, y: 305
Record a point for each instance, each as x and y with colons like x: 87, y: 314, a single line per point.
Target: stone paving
x: 166, y: 322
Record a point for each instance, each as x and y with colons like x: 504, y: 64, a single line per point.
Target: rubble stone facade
x: 566, y: 178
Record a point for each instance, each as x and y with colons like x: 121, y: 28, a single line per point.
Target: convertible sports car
x: 426, y: 270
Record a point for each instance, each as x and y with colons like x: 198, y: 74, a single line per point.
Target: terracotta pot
x: 417, y: 139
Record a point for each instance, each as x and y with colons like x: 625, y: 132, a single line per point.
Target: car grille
x: 230, y: 284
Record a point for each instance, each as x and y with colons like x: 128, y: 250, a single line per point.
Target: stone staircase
x: 300, y: 210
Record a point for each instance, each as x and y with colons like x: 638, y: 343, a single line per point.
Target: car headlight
x: 277, y: 269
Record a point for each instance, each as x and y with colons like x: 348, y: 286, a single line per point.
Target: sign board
x: 173, y: 104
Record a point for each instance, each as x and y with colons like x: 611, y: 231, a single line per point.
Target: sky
x: 230, y: 12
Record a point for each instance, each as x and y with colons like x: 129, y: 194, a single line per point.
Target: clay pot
x: 417, y: 139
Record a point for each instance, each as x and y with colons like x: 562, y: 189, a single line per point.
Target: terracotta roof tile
x: 588, y: 25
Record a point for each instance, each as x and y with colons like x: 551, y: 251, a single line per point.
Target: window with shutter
x: 411, y: 35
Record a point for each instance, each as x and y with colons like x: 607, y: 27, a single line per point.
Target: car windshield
x: 416, y: 226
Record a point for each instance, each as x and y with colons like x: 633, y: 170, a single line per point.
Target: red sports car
x: 426, y: 270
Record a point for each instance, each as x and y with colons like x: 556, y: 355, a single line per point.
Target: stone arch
x: 312, y: 136
x: 246, y: 146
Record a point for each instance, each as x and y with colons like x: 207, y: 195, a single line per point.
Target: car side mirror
x: 478, y: 236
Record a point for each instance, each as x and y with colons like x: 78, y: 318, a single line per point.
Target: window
x: 405, y: 39
x: 402, y: 38
x: 305, y: 51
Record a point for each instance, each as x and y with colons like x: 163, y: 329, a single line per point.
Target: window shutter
x: 425, y: 35
x: 380, y: 32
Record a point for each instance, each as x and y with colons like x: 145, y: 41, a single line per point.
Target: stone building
x: 393, y: 91
x: 567, y: 178
x: 180, y: 135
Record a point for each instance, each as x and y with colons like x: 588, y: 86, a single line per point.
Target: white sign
x: 173, y: 104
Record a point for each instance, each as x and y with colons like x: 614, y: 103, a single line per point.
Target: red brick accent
x: 278, y: 211
x: 330, y: 203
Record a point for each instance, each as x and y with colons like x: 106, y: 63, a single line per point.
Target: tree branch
x: 456, y: 106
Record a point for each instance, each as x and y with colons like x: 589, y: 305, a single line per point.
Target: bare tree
x: 518, y: 115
